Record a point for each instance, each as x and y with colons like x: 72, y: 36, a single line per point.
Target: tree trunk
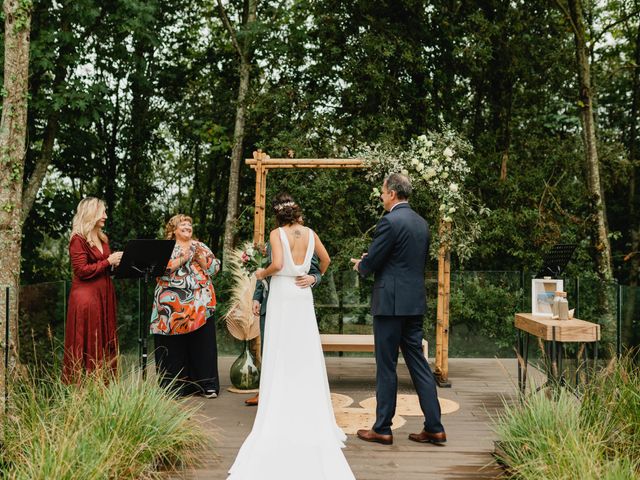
x: 478, y: 98
x: 138, y: 168
x: 600, y: 236
x: 108, y: 127
x: 196, y: 183
x: 236, y: 162
x: 111, y: 155
x: 244, y: 51
x: 501, y: 78
x: 633, y: 157
x: 42, y: 164
x: 13, y: 129
x: 217, y: 175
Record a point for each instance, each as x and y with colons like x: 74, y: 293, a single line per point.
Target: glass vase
x: 244, y: 374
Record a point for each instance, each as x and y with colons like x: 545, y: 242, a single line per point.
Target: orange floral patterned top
x: 184, y: 297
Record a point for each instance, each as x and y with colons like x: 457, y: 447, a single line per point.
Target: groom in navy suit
x: 397, y: 257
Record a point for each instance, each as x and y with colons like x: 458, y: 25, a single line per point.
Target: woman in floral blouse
x: 181, y: 320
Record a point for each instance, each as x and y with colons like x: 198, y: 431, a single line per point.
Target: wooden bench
x: 335, y: 342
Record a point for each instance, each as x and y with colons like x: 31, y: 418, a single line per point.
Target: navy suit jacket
x: 397, y: 257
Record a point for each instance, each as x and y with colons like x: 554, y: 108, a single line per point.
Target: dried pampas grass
x: 241, y: 322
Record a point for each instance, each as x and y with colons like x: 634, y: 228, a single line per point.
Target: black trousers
x: 190, y: 360
x: 404, y: 333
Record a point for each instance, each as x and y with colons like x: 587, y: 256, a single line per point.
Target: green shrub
x: 123, y: 428
x: 561, y: 436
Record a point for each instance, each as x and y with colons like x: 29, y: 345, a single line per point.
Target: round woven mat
x: 408, y: 405
x: 350, y: 420
x: 340, y: 401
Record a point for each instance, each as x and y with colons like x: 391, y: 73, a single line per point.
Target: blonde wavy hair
x: 172, y: 225
x: 88, y: 213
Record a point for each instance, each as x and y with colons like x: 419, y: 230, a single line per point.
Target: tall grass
x: 124, y: 428
x: 612, y: 403
x: 565, y: 437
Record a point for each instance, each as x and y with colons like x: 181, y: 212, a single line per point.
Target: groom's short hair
x: 400, y: 184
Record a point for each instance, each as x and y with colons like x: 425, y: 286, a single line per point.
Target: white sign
x: 542, y: 293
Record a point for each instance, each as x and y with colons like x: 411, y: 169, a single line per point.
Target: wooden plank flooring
x: 478, y: 385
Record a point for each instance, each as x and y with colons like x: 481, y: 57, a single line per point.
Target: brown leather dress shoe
x: 253, y: 401
x: 371, y: 436
x: 439, y: 438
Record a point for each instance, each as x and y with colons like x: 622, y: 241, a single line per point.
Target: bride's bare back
x: 298, y: 237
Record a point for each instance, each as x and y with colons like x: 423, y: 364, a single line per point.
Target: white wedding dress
x: 294, y: 435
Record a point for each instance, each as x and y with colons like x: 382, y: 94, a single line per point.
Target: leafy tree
x: 13, y: 133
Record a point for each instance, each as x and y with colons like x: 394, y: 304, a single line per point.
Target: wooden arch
x: 262, y: 163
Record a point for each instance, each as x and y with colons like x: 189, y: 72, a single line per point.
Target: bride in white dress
x: 290, y: 439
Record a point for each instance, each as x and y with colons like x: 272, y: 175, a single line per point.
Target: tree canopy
x: 135, y: 102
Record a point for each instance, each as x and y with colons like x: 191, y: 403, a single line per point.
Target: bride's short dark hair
x: 287, y: 211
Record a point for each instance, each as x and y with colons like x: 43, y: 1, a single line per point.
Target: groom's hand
x: 256, y: 308
x: 356, y: 262
x: 305, y: 281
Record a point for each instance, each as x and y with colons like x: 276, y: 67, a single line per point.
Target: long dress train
x: 294, y: 434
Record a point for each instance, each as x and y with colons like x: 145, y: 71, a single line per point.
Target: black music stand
x: 144, y: 259
x: 556, y: 260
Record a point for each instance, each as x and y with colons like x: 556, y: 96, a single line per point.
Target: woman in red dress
x: 90, y: 335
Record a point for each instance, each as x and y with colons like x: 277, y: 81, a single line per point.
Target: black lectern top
x: 145, y: 258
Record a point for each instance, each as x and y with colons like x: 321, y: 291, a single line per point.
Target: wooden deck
x: 478, y: 386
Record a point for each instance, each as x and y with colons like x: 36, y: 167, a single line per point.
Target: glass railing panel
x: 630, y: 317
x: 595, y: 301
x: 42, y: 310
x: 482, y: 307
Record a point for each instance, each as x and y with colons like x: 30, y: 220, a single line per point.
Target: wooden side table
x: 557, y: 332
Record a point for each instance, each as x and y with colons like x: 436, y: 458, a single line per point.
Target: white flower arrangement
x: 436, y: 164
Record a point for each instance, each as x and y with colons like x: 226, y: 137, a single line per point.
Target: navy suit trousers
x: 405, y: 334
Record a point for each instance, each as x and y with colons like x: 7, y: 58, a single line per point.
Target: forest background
x: 137, y: 102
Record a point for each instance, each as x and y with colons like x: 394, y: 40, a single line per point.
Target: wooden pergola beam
x: 442, y: 312
x: 306, y: 165
x: 261, y: 195
x: 303, y: 162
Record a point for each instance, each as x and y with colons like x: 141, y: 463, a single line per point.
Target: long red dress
x: 90, y: 335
